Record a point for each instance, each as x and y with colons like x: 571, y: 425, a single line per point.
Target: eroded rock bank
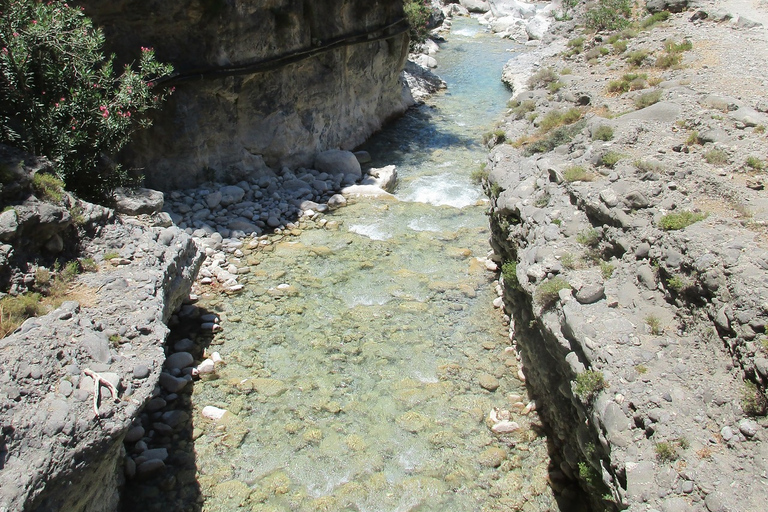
x: 73, y: 380
x: 629, y: 223
x: 260, y: 82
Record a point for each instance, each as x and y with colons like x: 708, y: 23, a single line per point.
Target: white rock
x: 213, y: 413
x: 505, y: 426
x: 207, y: 366
x: 216, y: 358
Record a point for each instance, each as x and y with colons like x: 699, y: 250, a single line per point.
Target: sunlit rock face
x: 229, y: 116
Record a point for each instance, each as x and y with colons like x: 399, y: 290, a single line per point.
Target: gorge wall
x: 259, y: 83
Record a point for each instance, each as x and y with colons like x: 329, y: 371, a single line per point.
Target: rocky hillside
x: 259, y: 82
x: 629, y: 218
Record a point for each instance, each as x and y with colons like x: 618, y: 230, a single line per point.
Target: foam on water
x: 372, y: 231
x: 441, y: 190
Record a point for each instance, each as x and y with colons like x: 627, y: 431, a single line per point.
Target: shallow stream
x: 356, y: 353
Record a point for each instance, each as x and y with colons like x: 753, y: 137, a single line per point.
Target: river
x: 355, y: 353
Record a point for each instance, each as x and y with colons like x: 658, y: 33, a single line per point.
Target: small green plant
x: 568, y: 260
x: 557, y: 222
x: 509, y: 272
x: 716, y: 157
x: 647, y: 99
x: 42, y: 277
x: 603, y: 132
x: 759, y: 128
x: 590, y: 237
x: 609, y: 15
x: 576, y: 45
x: 648, y: 166
x: 677, y: 283
x: 558, y: 137
x: 556, y: 118
x: 654, y: 324
x: 14, y: 310
x: 577, y: 173
x: 588, y: 384
x: 610, y: 159
x: 568, y: 71
x: 673, y: 47
x: 542, y: 78
x: 628, y: 82
x: 683, y: 443
x: 653, y: 19
x: 641, y: 369
x: 521, y: 108
x: 665, y: 452
x: 553, y: 87
x: 88, y: 265
x: 48, y: 187
x: 548, y: 292
x: 636, y: 57
x: 675, y: 221
x: 543, y: 200
x: 753, y: 401
x: 114, y: 339
x: 693, y: 138
x: 755, y: 163
x: 619, y: 47
x: 479, y: 175
x: 110, y: 255
x: 494, y: 137
x: 606, y: 269
x: 590, y: 475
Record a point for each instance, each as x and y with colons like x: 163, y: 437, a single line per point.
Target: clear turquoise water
x: 355, y: 387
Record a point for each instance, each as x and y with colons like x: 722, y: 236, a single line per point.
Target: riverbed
x: 364, y: 357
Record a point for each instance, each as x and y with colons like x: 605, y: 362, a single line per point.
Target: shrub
x: 609, y: 15
x: 542, y: 77
x: 521, y: 108
x: 654, y: 324
x: 576, y: 173
x: 479, y: 174
x: 558, y: 137
x: 665, y: 452
x: 556, y: 118
x: 48, y: 187
x: 654, y: 18
x: 60, y: 98
x: 110, y: 255
x: 637, y: 57
x: 603, y: 132
x: 675, y: 221
x: 693, y: 138
x: 716, y: 157
x: 589, y: 237
x: 677, y: 283
x: 752, y: 400
x: 494, y: 137
x: 576, y: 44
x: 647, y: 99
x: 648, y: 166
x: 628, y: 82
x: 668, y: 60
x: 568, y: 260
x: 759, y: 128
x: 588, y: 384
x: 417, y: 12
x: 755, y: 163
x: 619, y: 47
x: 509, y: 272
x: 14, y: 310
x: 610, y: 159
x: 606, y: 269
x: 548, y: 292
x: 553, y: 87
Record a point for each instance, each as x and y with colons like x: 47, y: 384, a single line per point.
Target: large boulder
x: 476, y: 5
x: 138, y: 201
x: 335, y: 162
x: 655, y: 6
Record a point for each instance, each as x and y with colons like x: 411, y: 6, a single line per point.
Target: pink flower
x: 34, y: 22
x: 102, y: 108
x: 105, y: 114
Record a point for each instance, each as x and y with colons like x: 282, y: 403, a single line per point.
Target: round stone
x: 488, y: 382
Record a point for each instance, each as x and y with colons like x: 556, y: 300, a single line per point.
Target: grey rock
x: 137, y: 201
x: 636, y: 200
x: 609, y: 197
x: 336, y: 201
x: 478, y: 6
x: 156, y: 404
x: 150, y: 468
x: 231, y: 194
x: 646, y: 276
x: 179, y: 360
x: 97, y: 346
x: 8, y: 224
x: 175, y: 418
x: 134, y: 434
x: 673, y: 257
x: 337, y: 162
x: 655, y: 6
x: 213, y: 199
x: 748, y: 428
x: 156, y: 453
x: 172, y: 384
x: 590, y: 293
x: 715, y: 503
x: 129, y: 467
x: 726, y: 433
x: 140, y: 371
x: 185, y: 344
x: 664, y: 111
x: 642, y: 250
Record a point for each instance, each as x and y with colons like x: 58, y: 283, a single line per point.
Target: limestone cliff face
x: 261, y: 81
